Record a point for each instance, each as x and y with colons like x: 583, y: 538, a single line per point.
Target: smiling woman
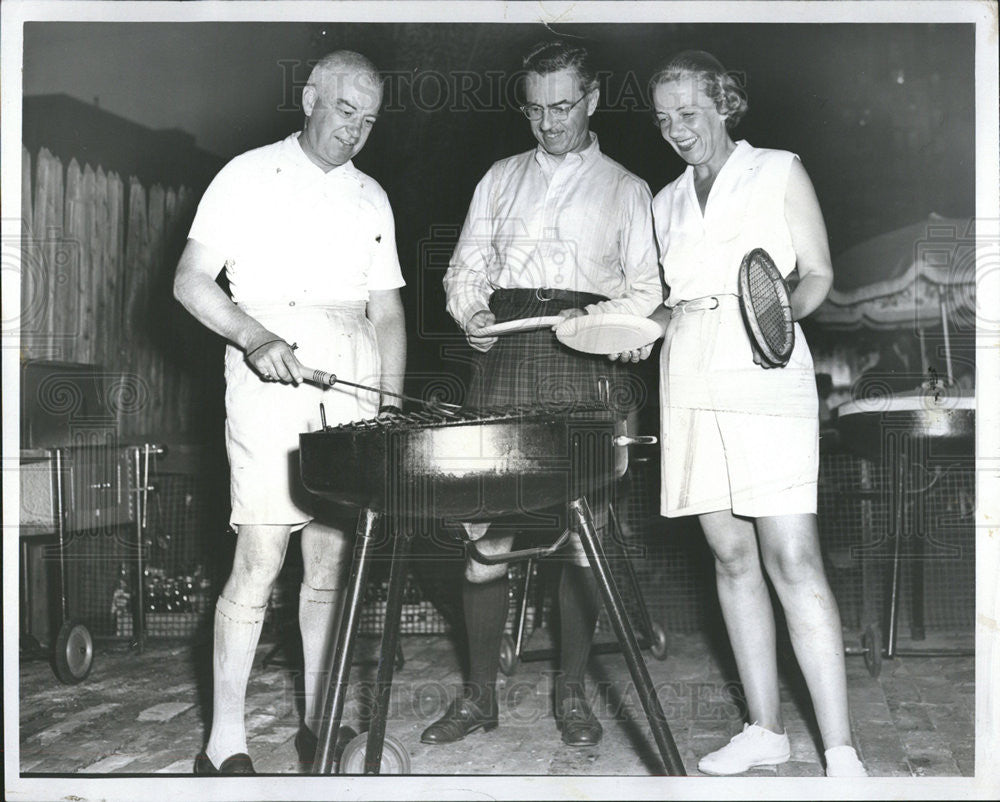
x: 741, y: 448
x: 694, y: 109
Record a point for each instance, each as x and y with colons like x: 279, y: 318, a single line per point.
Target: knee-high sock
x: 578, y: 609
x: 319, y: 621
x: 237, y: 630
x: 485, y: 605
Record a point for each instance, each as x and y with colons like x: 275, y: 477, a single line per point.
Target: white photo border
x: 984, y: 785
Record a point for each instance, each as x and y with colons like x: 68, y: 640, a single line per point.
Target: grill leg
x: 626, y: 638
x: 336, y: 690
x: 522, y: 610
x: 916, y: 564
x: 899, y: 486
x: 633, y: 579
x: 387, y: 651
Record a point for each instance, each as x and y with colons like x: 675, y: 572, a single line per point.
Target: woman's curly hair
x: 726, y: 89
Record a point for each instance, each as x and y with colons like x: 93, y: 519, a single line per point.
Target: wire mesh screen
x: 102, y: 565
x: 671, y: 560
x: 846, y: 513
x: 857, y: 517
x: 429, y: 607
x: 419, y: 616
x: 670, y: 556
x: 675, y: 569
x: 96, y: 562
x: 98, y: 548
x: 178, y: 541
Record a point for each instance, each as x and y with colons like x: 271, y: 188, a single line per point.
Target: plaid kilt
x: 533, y: 370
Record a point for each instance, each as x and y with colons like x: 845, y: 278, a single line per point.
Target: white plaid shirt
x: 582, y: 223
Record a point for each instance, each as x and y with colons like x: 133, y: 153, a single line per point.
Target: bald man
x: 308, y: 244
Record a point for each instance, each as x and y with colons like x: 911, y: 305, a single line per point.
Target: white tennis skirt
x: 734, y: 435
x: 264, y: 419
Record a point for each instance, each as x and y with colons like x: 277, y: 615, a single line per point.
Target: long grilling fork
x: 323, y: 378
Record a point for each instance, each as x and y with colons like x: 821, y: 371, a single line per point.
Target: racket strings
x: 767, y: 306
x: 766, y: 312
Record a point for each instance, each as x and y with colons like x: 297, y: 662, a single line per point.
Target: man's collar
x: 547, y: 161
x: 298, y: 155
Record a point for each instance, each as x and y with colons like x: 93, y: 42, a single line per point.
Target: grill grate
x: 422, y: 419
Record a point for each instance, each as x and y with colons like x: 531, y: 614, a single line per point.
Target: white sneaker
x: 842, y: 761
x: 755, y: 746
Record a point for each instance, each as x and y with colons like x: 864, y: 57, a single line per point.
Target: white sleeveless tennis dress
x: 734, y: 435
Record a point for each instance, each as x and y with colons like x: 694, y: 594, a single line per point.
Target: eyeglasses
x: 560, y: 111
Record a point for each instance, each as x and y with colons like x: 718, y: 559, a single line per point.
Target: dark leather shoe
x: 305, y: 746
x: 234, y: 764
x: 577, y: 722
x: 307, y: 742
x: 461, y: 718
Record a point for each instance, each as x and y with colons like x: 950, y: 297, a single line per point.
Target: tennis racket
x: 767, y: 312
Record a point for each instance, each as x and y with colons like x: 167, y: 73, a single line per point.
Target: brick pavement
x: 146, y: 714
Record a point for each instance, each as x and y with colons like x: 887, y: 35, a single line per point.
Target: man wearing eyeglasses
x: 560, y: 230
x: 308, y: 244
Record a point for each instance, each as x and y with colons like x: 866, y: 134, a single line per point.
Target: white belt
x: 278, y: 307
x: 707, y: 303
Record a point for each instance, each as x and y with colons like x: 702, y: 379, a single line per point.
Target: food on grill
x: 468, y: 465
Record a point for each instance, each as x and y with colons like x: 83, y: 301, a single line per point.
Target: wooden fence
x: 98, y: 259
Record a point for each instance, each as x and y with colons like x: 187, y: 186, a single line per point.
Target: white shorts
x: 264, y: 419
x: 734, y: 435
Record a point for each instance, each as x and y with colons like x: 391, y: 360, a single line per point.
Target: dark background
x: 882, y: 115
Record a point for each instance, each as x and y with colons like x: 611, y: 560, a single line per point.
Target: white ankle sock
x: 237, y: 631
x: 319, y: 621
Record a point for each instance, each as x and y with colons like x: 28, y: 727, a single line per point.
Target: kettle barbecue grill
x: 465, y: 466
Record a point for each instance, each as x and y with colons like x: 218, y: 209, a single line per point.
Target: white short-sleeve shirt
x: 290, y: 232
x: 701, y: 251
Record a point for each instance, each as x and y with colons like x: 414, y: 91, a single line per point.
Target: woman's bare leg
x: 791, y: 553
x: 746, y: 608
